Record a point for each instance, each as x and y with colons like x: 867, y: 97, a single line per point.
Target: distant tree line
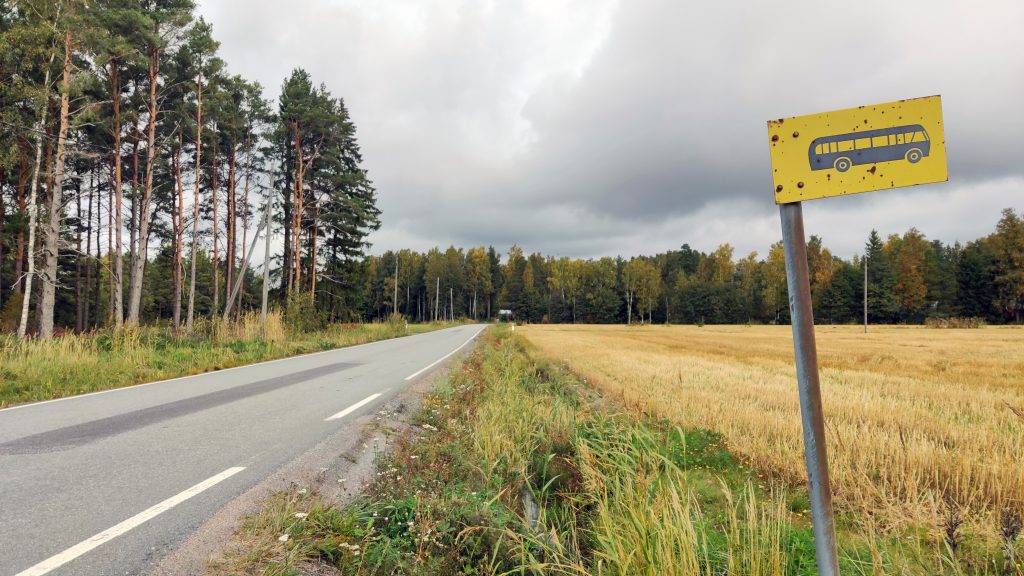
x: 909, y: 279
x: 135, y: 171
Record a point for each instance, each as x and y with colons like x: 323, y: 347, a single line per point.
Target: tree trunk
x: 286, y: 220
x: 139, y: 257
x: 79, y: 300
x: 312, y: 250
x: 48, y: 298
x: 190, y: 316
x: 99, y: 236
x: 297, y: 204
x: 133, y: 218
x: 88, y: 252
x: 110, y: 252
x: 33, y: 208
x: 19, y: 258
x: 117, y: 273
x: 3, y: 218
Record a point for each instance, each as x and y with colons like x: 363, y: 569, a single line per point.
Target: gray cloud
x: 589, y: 128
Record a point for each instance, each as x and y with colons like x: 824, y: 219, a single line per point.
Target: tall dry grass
x: 917, y: 420
x: 72, y: 364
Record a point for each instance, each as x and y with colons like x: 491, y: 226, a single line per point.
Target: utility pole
x: 266, y: 269
x: 865, y: 291
x: 437, y: 299
x: 394, y: 308
x: 245, y: 266
x: 451, y: 303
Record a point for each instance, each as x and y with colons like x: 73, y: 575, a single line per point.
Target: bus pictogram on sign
x: 842, y: 151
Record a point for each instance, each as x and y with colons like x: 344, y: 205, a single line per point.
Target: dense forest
x: 137, y: 174
x: 909, y: 279
x: 137, y: 177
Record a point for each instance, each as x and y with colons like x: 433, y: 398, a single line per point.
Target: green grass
x: 33, y: 370
x: 516, y: 467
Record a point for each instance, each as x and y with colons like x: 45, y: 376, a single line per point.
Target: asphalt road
x: 107, y: 483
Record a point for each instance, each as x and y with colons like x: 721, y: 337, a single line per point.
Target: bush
x: 301, y: 314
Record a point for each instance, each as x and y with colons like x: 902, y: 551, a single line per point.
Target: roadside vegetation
x: 515, y: 465
x: 70, y: 364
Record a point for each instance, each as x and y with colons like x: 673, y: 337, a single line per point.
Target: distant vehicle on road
x: 842, y: 151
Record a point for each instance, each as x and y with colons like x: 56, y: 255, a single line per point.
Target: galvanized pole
x: 797, y: 280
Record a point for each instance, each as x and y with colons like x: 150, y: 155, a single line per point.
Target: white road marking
x: 446, y: 356
x: 77, y: 550
x: 353, y: 407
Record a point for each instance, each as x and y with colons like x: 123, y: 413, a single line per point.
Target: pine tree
x: 881, y: 281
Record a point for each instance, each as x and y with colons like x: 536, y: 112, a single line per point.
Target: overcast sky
x: 601, y: 127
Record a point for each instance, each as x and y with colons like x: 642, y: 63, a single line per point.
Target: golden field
x: 918, y: 419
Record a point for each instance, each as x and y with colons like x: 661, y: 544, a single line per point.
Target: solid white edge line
x: 446, y: 356
x: 354, y: 407
x: 77, y: 550
x: 208, y: 372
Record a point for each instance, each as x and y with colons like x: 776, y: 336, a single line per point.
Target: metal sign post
x: 862, y: 149
x: 798, y: 282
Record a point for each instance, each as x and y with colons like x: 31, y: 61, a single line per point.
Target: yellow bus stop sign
x: 858, y: 150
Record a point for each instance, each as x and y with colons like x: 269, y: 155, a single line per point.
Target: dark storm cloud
x: 589, y: 128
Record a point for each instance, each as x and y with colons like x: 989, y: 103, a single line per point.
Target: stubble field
x: 920, y: 421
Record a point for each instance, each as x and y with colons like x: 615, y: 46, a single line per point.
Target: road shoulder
x: 336, y: 468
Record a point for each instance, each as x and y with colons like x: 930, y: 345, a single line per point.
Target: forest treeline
x: 135, y: 172
x: 909, y: 279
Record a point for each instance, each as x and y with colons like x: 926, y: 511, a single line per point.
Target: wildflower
x: 300, y: 515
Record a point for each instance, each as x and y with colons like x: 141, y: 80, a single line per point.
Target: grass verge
x: 32, y: 370
x: 515, y: 466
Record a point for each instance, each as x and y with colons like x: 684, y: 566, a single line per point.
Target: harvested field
x: 918, y: 419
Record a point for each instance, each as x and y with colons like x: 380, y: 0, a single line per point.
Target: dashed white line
x: 446, y: 356
x: 77, y: 550
x: 353, y: 407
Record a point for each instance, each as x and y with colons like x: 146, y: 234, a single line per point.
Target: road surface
x: 107, y: 483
